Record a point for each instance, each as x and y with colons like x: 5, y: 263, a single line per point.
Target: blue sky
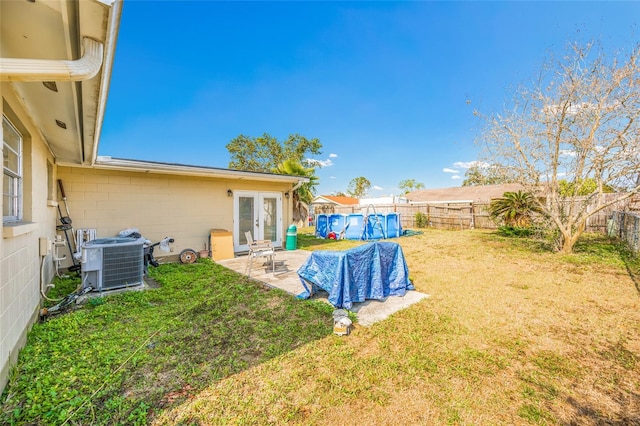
x: 389, y: 88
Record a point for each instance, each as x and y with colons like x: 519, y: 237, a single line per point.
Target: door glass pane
x: 270, y: 219
x: 245, y: 220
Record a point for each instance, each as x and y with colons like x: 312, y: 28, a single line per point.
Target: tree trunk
x: 570, y: 238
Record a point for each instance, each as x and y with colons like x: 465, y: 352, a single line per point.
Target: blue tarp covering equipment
x: 372, y: 271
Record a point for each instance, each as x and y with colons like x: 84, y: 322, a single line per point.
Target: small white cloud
x: 455, y: 177
x: 568, y: 152
x: 545, y: 178
x: 319, y: 163
x: 447, y: 170
x: 377, y: 188
x: 469, y: 164
x: 332, y: 155
x: 332, y: 177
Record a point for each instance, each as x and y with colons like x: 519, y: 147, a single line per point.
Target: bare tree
x: 578, y: 122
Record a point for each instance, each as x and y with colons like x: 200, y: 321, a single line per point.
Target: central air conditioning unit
x: 110, y: 263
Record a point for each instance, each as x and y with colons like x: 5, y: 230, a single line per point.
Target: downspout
x: 113, y: 26
x: 29, y: 70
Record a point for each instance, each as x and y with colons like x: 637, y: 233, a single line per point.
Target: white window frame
x: 14, y: 177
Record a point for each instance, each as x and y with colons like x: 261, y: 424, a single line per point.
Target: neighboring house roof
x: 338, y: 200
x: 463, y: 193
x: 105, y: 162
x: 69, y: 45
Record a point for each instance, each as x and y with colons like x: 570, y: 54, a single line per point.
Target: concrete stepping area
x: 286, y: 278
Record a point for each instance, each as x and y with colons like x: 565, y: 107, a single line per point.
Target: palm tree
x: 514, y: 208
x: 303, y: 196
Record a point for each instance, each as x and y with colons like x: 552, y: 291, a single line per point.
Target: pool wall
x: 353, y: 227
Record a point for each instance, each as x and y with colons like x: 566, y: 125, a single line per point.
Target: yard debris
x: 341, y: 322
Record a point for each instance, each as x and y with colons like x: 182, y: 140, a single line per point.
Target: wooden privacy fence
x: 626, y: 226
x: 458, y: 215
x: 453, y: 215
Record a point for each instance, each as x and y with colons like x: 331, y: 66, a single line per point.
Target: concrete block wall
x: 159, y: 205
x: 20, y: 261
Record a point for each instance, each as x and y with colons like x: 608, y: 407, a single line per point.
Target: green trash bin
x: 292, y: 238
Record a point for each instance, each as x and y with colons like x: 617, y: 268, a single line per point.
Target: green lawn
x: 123, y: 358
x: 511, y: 334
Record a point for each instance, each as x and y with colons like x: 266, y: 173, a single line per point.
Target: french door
x: 259, y: 213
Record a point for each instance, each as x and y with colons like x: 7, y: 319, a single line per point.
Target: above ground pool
x: 357, y: 226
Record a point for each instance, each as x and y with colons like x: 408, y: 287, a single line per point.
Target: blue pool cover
x: 372, y: 271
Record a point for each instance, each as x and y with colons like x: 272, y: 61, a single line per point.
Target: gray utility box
x: 110, y: 263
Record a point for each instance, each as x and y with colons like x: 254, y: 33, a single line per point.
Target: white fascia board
x: 109, y: 163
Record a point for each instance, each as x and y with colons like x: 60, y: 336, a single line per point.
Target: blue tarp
x: 372, y: 271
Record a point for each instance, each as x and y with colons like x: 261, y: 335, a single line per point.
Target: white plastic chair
x: 260, y: 248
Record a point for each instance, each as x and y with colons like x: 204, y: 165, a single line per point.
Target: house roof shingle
x: 463, y: 193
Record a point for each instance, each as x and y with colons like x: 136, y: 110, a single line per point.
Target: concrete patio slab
x: 286, y: 278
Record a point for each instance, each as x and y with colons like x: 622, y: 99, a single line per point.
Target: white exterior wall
x: 391, y: 199
x: 19, y: 246
x: 158, y: 205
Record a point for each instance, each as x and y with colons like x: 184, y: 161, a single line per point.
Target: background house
x: 327, y: 203
x: 482, y: 194
x: 385, y: 199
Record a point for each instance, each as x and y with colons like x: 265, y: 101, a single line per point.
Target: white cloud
x: 332, y: 177
x: 568, y: 152
x: 545, y: 178
x: 319, y: 163
x: 469, y: 164
x: 456, y: 177
x: 332, y: 155
x: 574, y: 109
x: 447, y: 170
x: 377, y: 188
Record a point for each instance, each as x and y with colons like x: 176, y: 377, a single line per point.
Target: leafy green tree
x: 358, y: 187
x: 306, y: 191
x: 264, y: 153
x: 480, y: 174
x: 409, y: 185
x: 514, y: 208
x: 581, y: 188
x: 303, y: 196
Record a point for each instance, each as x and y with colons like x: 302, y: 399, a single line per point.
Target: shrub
x: 516, y: 231
x: 422, y: 220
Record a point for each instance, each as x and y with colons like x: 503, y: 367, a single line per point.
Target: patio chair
x: 260, y: 248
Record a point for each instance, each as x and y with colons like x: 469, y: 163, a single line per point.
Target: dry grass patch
x: 511, y: 334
